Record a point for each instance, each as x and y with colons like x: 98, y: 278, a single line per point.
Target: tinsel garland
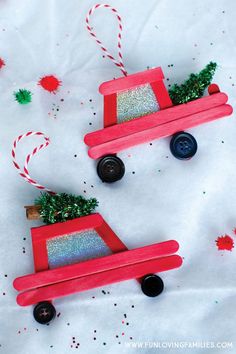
x: 194, y: 87
x: 63, y: 207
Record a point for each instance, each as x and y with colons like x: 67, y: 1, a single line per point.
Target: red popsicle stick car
x: 83, y: 254
x: 138, y: 109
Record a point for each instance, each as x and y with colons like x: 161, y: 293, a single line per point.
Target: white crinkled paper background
x: 192, y: 202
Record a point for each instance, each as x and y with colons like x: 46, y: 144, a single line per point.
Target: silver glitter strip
x: 136, y: 103
x: 76, y: 247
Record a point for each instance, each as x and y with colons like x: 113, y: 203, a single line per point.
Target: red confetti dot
x: 2, y: 63
x: 225, y: 243
x: 234, y: 230
x: 49, y: 83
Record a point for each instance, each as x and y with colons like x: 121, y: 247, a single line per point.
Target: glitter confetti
x: 225, y: 243
x: 54, y: 111
x: 74, y: 344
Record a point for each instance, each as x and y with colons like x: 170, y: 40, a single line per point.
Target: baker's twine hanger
x: 24, y: 173
x: 118, y: 62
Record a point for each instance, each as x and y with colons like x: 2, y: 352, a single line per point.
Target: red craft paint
x: 225, y: 243
x: 49, y: 83
x: 2, y: 63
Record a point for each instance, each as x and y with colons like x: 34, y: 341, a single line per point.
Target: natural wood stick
x: 33, y: 212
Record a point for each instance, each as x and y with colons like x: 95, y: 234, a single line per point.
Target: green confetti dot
x: 23, y: 96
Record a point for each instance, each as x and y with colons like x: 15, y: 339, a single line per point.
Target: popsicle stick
x: 161, y: 117
x: 130, y: 81
x: 167, y: 129
x: 68, y: 287
x: 40, y: 255
x: 161, y: 93
x: 64, y: 228
x: 95, y: 265
x: 110, y: 238
x: 109, y: 114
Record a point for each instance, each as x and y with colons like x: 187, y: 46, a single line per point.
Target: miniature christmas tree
x: 194, y: 87
x: 63, y: 207
x: 23, y: 96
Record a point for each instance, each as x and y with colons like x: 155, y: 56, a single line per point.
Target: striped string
x: 25, y: 172
x: 119, y: 62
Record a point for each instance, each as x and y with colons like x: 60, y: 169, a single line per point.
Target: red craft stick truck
x: 138, y: 109
x: 83, y: 254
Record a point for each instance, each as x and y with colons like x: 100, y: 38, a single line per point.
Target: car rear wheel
x: 44, y: 312
x: 110, y: 169
x: 183, y: 146
x: 152, y: 285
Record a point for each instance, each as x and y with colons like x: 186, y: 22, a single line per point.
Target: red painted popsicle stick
x: 167, y: 129
x: 177, y: 112
x: 161, y: 93
x: 92, y: 266
x: 109, y: 114
x: 68, y: 287
x: 40, y: 255
x: 62, y: 228
x: 110, y: 238
x: 134, y: 80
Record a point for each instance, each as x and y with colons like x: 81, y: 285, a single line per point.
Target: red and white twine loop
x: 118, y: 62
x: 25, y: 173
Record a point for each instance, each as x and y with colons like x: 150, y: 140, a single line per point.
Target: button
x: 152, y: 285
x: 183, y: 145
x: 110, y: 169
x: 44, y: 312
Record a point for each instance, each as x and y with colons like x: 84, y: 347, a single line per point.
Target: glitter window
x: 135, y: 103
x: 76, y: 247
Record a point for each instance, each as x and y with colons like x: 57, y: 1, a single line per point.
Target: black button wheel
x: 183, y: 145
x: 110, y: 169
x: 152, y: 285
x: 44, y: 312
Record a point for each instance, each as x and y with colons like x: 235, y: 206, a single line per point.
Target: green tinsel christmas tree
x: 63, y: 207
x: 23, y: 96
x: 194, y: 87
